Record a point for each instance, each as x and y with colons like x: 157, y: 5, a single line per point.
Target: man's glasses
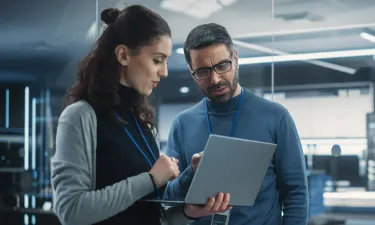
x: 219, y: 68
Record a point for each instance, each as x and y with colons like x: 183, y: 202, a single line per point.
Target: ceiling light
x: 47, y: 206
x: 91, y: 32
x: 367, y: 36
x: 176, y: 5
x: 198, y: 9
x: 180, y: 51
x: 226, y: 2
x: 184, y: 90
x: 271, y: 51
x: 307, y: 56
x: 203, y: 9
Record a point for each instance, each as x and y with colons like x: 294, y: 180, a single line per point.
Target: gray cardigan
x: 76, y: 202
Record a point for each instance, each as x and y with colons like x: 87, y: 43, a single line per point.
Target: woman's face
x: 143, y: 70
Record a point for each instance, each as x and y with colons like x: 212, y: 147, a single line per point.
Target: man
x: 229, y: 109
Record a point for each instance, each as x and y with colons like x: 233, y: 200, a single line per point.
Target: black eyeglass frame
x: 212, y: 68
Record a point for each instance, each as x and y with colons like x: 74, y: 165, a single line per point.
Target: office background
x: 316, y: 57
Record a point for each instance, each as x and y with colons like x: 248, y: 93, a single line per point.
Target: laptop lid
x: 231, y: 165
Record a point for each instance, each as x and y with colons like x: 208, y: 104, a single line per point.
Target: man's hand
x: 195, y: 160
x: 218, y: 205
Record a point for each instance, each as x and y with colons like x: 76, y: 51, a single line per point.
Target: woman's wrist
x: 153, y: 181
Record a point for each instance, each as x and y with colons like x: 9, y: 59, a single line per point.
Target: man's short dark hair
x: 205, y: 35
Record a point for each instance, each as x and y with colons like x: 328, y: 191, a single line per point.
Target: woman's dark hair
x: 99, y: 72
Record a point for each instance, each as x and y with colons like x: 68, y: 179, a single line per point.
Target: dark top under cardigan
x: 119, y: 158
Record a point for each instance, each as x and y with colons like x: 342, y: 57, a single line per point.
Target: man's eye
x: 157, y: 61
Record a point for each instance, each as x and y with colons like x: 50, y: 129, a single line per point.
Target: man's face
x: 215, y: 70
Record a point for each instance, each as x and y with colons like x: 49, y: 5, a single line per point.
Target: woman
x: 106, y: 156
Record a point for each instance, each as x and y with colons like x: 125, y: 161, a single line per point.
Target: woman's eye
x: 157, y: 61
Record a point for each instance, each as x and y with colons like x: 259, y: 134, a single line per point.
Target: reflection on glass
x: 323, y: 54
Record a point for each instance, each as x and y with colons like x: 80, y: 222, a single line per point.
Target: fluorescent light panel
x: 368, y: 36
x: 33, y: 201
x: 33, y: 220
x: 180, y: 51
x: 26, y: 219
x: 33, y: 134
x: 176, y: 5
x: 26, y: 201
x: 198, y: 9
x: 227, y: 2
x: 7, y: 108
x: 307, y: 56
x: 328, y: 65
x: 302, y: 56
x: 26, y: 129
x: 184, y: 90
x: 91, y: 32
x: 203, y: 9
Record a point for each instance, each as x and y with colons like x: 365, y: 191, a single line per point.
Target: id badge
x: 220, y: 218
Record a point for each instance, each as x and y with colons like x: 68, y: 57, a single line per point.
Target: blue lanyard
x: 234, y: 121
x: 138, y: 147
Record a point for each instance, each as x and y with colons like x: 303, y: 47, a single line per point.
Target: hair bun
x: 109, y: 15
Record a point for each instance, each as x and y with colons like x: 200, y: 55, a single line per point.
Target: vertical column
x: 7, y: 108
x: 26, y: 129
x: 371, y: 151
x: 26, y: 148
x: 40, y: 140
x: 370, y: 128
x: 97, y: 20
x: 33, y: 134
x: 48, y: 139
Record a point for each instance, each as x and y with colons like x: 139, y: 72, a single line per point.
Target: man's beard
x: 225, y: 83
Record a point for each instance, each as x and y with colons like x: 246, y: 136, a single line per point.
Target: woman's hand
x: 218, y: 205
x: 164, y: 170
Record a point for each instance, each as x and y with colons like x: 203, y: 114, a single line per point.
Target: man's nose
x: 215, y: 78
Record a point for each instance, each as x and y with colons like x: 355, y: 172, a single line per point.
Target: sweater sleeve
x: 178, y: 188
x: 291, y: 173
x: 75, y: 201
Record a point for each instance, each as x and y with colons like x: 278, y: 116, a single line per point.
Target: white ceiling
x: 62, y: 23
x: 51, y: 28
x: 291, y: 26
x: 247, y: 18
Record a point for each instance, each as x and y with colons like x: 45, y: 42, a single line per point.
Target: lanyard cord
x: 138, y: 147
x: 234, y: 121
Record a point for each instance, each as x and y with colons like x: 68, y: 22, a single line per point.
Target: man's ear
x: 235, y: 56
x: 121, y: 52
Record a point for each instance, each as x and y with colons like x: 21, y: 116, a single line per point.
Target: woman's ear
x: 121, y: 52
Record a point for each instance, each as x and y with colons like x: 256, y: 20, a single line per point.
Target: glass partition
x: 323, y: 55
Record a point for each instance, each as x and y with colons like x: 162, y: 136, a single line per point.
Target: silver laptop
x: 229, y: 165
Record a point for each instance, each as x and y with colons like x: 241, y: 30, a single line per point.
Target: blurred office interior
x: 315, y: 57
